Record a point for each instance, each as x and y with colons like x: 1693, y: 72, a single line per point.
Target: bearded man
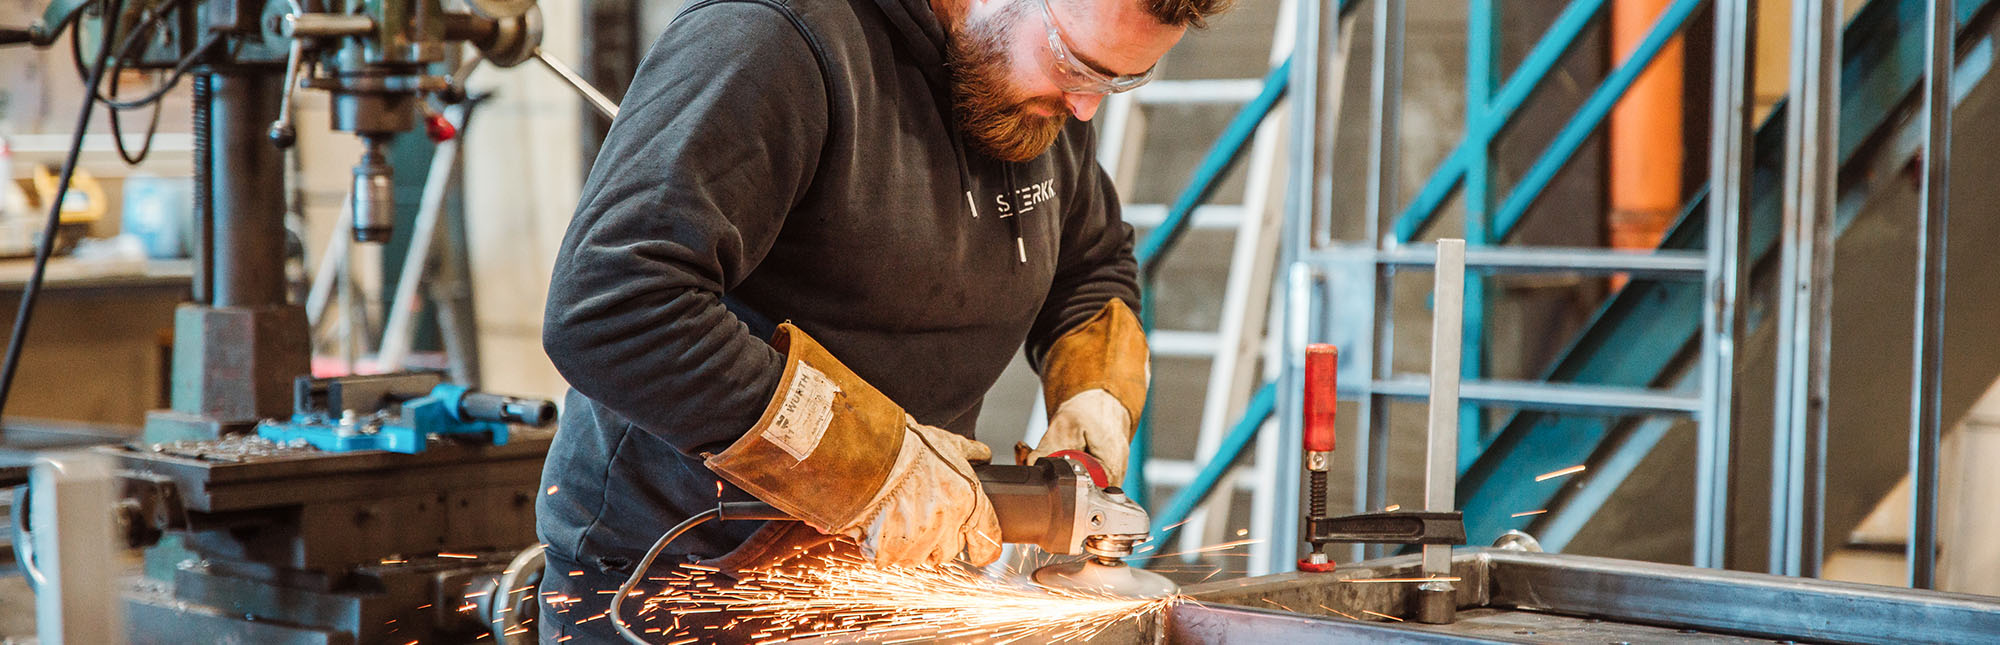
x: 813, y: 239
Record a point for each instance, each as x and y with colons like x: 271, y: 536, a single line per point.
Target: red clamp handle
x: 1322, y: 398
x: 439, y: 128
x: 1091, y: 465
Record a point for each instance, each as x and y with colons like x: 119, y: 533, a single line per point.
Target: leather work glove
x: 934, y: 507
x: 1098, y: 372
x: 1095, y: 422
x: 837, y: 454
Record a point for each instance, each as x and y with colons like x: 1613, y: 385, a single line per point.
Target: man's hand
x: 932, y: 508
x: 1095, y: 422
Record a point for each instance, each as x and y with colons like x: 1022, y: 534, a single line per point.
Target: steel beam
x: 1798, y: 469
x: 1730, y: 164
x: 1927, y: 377
x: 1665, y: 265
x: 1572, y: 22
x: 1553, y: 397
x: 1587, y: 118
x: 1640, y: 335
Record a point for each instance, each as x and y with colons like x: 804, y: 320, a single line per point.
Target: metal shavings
x: 234, y: 449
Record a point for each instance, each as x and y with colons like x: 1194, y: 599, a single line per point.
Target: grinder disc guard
x: 1116, y: 578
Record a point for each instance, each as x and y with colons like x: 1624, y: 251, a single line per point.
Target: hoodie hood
x: 919, y: 33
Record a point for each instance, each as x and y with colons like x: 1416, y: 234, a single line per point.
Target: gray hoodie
x: 796, y: 160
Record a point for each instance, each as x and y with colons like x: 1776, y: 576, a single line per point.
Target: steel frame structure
x: 1631, y: 360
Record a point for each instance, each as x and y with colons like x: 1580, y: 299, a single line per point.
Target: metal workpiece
x: 1507, y: 596
x: 1927, y: 360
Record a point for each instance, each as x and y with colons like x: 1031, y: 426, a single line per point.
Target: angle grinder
x: 1062, y: 505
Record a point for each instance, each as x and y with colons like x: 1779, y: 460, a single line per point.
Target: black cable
x: 146, y: 145
x: 639, y: 572
x: 48, y: 242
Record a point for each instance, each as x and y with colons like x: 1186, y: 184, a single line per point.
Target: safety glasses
x: 1074, y: 76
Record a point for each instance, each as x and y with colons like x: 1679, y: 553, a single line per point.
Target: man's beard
x: 989, y: 113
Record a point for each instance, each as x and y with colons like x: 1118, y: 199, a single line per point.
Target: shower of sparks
x: 1212, y: 548
x: 1527, y: 513
x: 1436, y: 579
x: 838, y: 595
x: 1566, y: 471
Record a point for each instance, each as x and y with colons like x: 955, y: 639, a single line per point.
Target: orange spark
x: 1392, y: 508
x: 1382, y: 615
x: 460, y: 556
x: 1342, y: 613
x: 1527, y: 513
x: 552, y: 489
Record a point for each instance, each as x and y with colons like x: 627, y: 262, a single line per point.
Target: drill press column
x: 235, y: 356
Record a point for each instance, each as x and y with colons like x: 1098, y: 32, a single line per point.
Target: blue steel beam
x: 1482, y: 51
x: 1638, y: 335
x: 1588, y: 117
x: 1548, y: 51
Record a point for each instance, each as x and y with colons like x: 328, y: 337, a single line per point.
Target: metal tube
x: 248, y: 257
x: 1325, y: 77
x: 1729, y: 167
x: 1804, y: 312
x: 1441, y: 464
x: 1385, y: 101
x: 604, y: 105
x: 1927, y: 377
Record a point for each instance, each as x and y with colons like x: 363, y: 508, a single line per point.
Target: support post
x: 1805, y: 293
x: 1385, y: 100
x: 1729, y: 167
x: 1927, y: 368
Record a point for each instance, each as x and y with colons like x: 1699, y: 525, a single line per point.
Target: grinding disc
x: 1090, y: 575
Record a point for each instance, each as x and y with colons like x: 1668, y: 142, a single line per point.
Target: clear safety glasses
x: 1074, y: 76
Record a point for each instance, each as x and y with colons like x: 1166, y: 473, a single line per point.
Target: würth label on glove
x: 803, y: 416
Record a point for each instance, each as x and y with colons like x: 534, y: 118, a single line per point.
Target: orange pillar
x: 1645, y: 134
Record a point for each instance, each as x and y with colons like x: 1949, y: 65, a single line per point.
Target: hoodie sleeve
x: 1094, y: 262
x: 715, y: 142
